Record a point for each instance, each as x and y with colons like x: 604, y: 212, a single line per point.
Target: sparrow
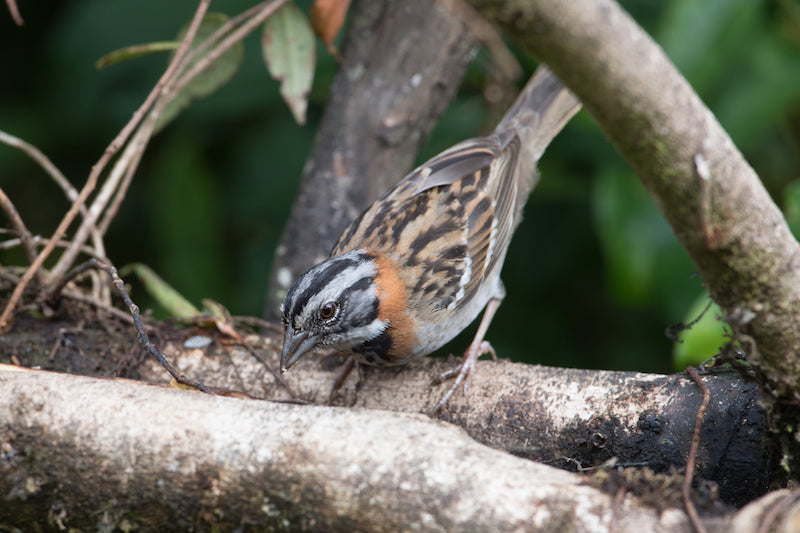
x: 419, y: 265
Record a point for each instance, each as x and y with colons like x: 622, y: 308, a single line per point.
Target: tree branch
x: 126, y: 452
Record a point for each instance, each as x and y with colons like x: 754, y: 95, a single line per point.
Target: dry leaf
x: 327, y: 17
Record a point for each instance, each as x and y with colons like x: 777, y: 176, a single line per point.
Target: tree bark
x: 107, y: 454
x: 86, y: 453
x: 402, y: 63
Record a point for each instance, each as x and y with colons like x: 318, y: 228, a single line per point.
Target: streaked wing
x: 448, y: 221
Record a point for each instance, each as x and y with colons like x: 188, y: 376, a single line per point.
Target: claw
x: 463, y: 373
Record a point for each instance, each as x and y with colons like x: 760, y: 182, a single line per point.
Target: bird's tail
x: 542, y: 109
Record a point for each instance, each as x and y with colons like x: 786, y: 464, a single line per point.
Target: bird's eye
x: 327, y: 311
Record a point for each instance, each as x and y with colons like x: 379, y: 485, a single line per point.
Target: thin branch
x: 259, y: 322
x: 94, y: 302
x: 260, y: 358
x: 14, y: 11
x: 25, y: 237
x: 161, y: 86
x: 130, y: 160
x: 123, y: 170
x: 113, y: 209
x: 144, y: 339
x: 69, y: 255
x: 39, y: 157
x: 234, y: 37
x: 54, y: 172
x: 215, y: 37
x: 39, y: 240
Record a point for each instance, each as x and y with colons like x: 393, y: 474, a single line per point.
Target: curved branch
x: 713, y: 199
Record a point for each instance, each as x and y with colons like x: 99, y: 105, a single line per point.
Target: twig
x: 264, y: 362
x: 489, y: 36
x: 259, y: 322
x: 25, y: 237
x: 122, y: 315
x: 221, y: 31
x: 14, y: 11
x: 130, y: 159
x: 39, y: 157
x: 690, y: 461
x: 144, y: 340
x: 234, y: 37
x: 123, y: 170
x: 225, y: 325
x: 53, y: 171
x: 163, y: 83
x: 8, y: 277
x: 113, y: 209
x: 671, y: 332
x: 38, y: 240
x: 80, y: 237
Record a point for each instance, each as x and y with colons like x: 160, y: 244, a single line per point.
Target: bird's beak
x: 295, y: 346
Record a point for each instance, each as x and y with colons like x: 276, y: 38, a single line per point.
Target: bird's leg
x: 478, y: 347
x: 341, y: 375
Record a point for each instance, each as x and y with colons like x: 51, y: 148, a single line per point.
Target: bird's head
x: 335, y: 305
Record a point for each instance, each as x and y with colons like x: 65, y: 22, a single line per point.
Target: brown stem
x: 692, y: 457
x: 53, y: 171
x: 14, y: 11
x: 25, y: 236
x: 235, y: 36
x: 80, y: 236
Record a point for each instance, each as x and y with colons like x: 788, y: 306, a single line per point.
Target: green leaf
x: 290, y: 54
x: 703, y: 339
x: 162, y: 292
x: 213, y: 77
x: 137, y: 50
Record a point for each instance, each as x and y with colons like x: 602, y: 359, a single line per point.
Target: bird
x: 421, y: 263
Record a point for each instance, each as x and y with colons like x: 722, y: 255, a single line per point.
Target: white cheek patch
x: 354, y: 336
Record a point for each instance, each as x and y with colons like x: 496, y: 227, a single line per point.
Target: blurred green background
x: 594, y: 274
